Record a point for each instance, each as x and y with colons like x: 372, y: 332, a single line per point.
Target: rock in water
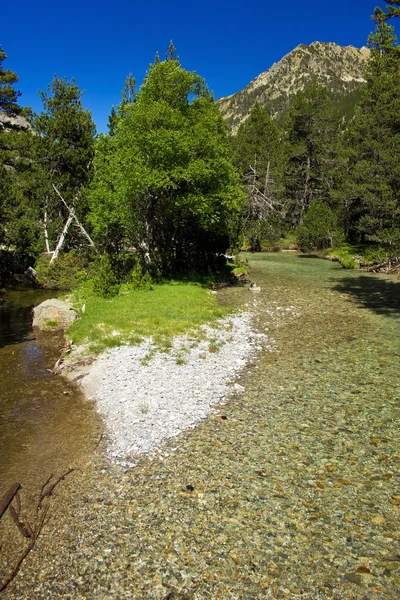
x: 53, y: 314
x: 255, y: 288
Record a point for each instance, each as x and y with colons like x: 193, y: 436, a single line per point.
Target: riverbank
x: 147, y: 395
x: 291, y: 490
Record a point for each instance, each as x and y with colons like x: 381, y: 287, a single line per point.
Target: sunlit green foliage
x: 319, y: 229
x: 105, y: 283
x: 70, y: 271
x: 167, y: 310
x: 165, y: 181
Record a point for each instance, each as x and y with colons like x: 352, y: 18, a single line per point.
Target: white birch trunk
x: 61, y: 239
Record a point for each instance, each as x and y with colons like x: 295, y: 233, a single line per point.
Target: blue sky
x: 226, y: 42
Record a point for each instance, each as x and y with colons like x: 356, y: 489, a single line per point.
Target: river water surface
x: 45, y: 422
x: 291, y: 491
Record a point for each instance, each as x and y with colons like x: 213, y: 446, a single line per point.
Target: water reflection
x: 15, y: 322
x: 45, y: 422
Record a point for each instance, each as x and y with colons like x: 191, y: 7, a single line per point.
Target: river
x: 291, y: 491
x: 45, y: 422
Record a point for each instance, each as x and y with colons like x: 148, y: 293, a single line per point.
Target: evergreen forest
x: 167, y: 191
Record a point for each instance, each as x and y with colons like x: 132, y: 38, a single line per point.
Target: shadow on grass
x: 379, y: 295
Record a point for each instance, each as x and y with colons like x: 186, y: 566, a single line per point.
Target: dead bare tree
x: 71, y: 217
x: 262, y: 202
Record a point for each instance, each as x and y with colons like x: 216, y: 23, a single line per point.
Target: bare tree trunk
x: 46, y: 233
x: 61, y: 239
x: 267, y: 180
x: 72, y: 216
x: 145, y: 245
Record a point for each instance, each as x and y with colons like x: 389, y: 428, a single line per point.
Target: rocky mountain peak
x: 339, y: 68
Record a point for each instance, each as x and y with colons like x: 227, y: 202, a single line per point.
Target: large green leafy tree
x: 112, y: 236
x: 373, y: 186
x: 165, y: 179
x: 64, y: 154
x: 312, y: 127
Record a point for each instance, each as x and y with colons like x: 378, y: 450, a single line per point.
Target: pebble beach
x: 147, y: 396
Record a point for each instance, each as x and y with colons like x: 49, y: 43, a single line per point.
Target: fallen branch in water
x: 8, y: 498
x: 20, y: 519
x: 30, y: 546
x: 45, y: 493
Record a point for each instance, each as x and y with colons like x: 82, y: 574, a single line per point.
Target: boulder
x: 53, y: 314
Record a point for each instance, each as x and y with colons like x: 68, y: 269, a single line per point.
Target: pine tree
x: 19, y: 225
x: 64, y: 149
x: 258, y: 152
x: 393, y: 10
x: 259, y: 141
x: 8, y: 94
x: 312, y: 126
x: 171, y: 53
x: 112, y: 121
x: 374, y: 144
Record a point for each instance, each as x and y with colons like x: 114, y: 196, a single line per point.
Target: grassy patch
x: 345, y: 254
x: 369, y: 253
x: 168, y: 310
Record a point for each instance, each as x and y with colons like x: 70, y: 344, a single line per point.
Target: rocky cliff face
x: 340, y: 69
x: 8, y: 122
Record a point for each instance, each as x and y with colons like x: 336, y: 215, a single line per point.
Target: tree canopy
x: 165, y: 180
x: 8, y: 94
x: 312, y: 127
x: 374, y: 143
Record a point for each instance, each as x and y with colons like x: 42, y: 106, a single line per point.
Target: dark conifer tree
x: 64, y: 154
x: 8, y: 94
x: 19, y: 219
x: 112, y: 121
x: 374, y: 144
x: 312, y: 126
x: 171, y: 53
x: 258, y: 154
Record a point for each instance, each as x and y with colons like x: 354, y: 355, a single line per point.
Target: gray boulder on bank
x: 53, y: 314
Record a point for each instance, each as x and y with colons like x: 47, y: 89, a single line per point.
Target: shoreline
x: 146, y: 396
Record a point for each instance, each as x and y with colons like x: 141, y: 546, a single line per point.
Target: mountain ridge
x: 339, y: 68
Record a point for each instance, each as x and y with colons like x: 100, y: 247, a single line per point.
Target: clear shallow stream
x: 291, y: 491
x: 45, y: 422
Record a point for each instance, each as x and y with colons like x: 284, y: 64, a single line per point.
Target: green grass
x: 370, y: 253
x: 345, y: 254
x: 168, y: 310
